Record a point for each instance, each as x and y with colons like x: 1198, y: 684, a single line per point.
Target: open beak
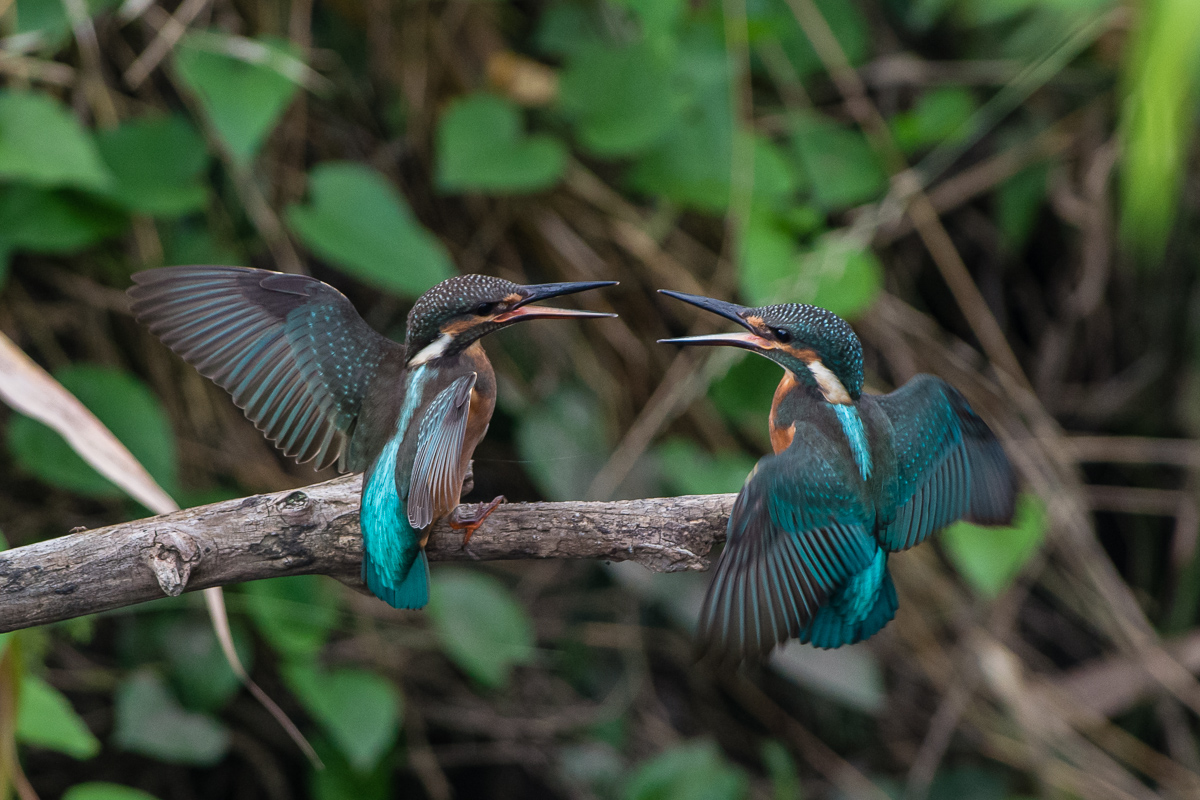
x: 732, y: 311
x: 542, y: 291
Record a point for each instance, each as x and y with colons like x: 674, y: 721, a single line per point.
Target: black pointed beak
x: 543, y: 291
x: 731, y: 311
x: 727, y: 310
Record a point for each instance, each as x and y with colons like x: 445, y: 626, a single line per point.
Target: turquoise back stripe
x: 852, y: 426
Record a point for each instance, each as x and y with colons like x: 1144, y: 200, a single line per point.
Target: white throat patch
x: 831, y: 387
x: 432, y: 350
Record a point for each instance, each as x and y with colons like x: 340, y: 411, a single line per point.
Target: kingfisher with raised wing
x: 853, y: 478
x: 324, y: 387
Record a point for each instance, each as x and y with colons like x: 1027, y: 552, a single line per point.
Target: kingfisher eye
x: 484, y: 309
x: 783, y: 335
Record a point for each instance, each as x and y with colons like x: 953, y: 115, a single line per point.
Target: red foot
x: 471, y: 520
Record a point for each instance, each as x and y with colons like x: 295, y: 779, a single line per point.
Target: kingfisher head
x: 458, y: 311
x: 815, y: 345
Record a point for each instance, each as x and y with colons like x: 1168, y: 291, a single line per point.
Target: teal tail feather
x: 394, y: 565
x: 411, y: 592
x: 837, y: 624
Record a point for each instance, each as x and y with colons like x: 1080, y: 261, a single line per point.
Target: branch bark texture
x: 315, y: 530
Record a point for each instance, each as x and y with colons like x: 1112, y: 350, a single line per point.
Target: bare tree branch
x: 315, y: 530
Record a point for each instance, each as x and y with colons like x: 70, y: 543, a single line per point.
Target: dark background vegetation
x: 996, y: 191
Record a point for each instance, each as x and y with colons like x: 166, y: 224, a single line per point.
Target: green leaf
x: 565, y: 28
x: 621, y: 99
x: 563, y: 446
x: 658, y: 18
x: 48, y: 18
x: 835, y: 273
x: 243, y: 97
x: 692, y: 164
x: 105, y: 791
x: 1018, y: 201
x: 785, y: 783
x: 970, y: 783
x: 692, y: 771
x: 693, y: 167
x: 687, y: 469
x: 360, y: 710
x: 482, y: 626
x: 989, y: 12
x: 840, y: 166
x: 295, y: 614
x: 845, y: 20
x: 358, y: 222
x: 186, y: 242
x: 340, y: 781
x: 150, y: 721
x: 45, y: 719
x: 158, y: 163
x: 743, y: 395
x: 940, y: 115
x: 199, y: 672
x: 54, y: 220
x: 481, y: 147
x: 42, y: 143
x: 6, y: 252
x: 990, y: 558
x: 125, y: 405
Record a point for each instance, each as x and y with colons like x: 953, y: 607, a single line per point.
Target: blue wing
x: 796, y: 536
x: 863, y: 605
x: 291, y: 350
x: 437, y: 472
x: 949, y: 465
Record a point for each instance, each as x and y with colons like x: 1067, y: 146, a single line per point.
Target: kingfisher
x: 853, y: 478
x: 325, y: 387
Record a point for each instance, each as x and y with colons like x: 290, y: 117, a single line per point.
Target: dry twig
x: 316, y: 531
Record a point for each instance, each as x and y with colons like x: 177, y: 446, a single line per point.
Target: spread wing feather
x: 291, y: 350
x: 949, y: 464
x: 793, y: 538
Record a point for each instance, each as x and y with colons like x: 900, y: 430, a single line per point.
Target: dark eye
x: 484, y: 309
x: 783, y: 335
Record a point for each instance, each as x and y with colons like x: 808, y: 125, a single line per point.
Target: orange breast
x: 781, y: 438
x: 483, y: 402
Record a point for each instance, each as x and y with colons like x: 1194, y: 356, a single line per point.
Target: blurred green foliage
x: 1159, y: 117
x: 151, y: 721
x: 483, y: 628
x: 105, y: 791
x: 357, y: 221
x: 482, y: 147
x: 695, y: 771
x: 45, y: 719
x: 242, y: 85
x: 42, y: 144
x: 359, y: 710
x: 126, y: 406
x: 990, y: 558
x: 647, y: 96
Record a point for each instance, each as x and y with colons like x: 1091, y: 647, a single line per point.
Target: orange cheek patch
x: 457, y: 326
x: 802, y: 353
x: 513, y: 298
